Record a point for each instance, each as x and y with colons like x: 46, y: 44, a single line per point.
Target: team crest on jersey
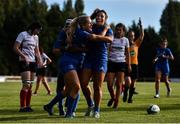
x: 132, y: 53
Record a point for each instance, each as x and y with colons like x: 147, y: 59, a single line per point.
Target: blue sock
x: 76, y: 103
x: 71, y: 102
x: 90, y: 103
x: 60, y: 105
x: 59, y: 96
x: 96, y: 108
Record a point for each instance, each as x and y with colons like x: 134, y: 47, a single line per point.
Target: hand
x: 40, y: 64
x: 155, y: 60
x: 26, y: 60
x: 140, y: 22
x: 166, y: 57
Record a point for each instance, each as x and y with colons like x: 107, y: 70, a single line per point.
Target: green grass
x: 126, y: 113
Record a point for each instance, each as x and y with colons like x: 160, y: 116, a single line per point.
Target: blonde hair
x: 77, y: 22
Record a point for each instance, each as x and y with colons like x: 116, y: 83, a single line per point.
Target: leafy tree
x: 170, y: 27
x: 55, y: 22
x: 68, y: 9
x: 79, y: 7
x: 147, y: 52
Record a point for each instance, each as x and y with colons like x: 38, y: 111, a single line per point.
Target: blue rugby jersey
x: 73, y: 61
x: 163, y: 51
x: 61, y: 39
x: 99, y: 50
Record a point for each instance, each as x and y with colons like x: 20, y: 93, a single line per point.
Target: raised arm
x: 141, y: 36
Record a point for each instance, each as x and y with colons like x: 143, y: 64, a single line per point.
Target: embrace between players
x: 88, y: 50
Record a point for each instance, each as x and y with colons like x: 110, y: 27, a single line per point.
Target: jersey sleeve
x: 60, y: 41
x: 109, y: 32
x: 84, y: 34
x: 169, y: 52
x: 20, y: 38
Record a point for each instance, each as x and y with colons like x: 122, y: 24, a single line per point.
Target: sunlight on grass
x: 131, y: 113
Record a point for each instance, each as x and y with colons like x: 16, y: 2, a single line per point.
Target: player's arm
x: 128, y: 61
x: 94, y: 37
x: 141, y: 36
x: 155, y: 59
x: 38, y: 56
x: 106, y: 28
x: 48, y: 60
x: 59, y: 44
x: 171, y: 57
x: 16, y: 48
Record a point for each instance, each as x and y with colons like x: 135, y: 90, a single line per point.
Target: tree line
x: 15, y: 16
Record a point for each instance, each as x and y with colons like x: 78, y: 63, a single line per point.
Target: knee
x: 84, y: 85
x: 96, y: 88
x: 157, y: 81
x: 76, y: 87
x: 26, y: 84
x: 110, y: 86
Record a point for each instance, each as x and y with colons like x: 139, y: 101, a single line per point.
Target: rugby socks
x: 23, y: 95
x: 111, y: 91
x: 131, y: 92
x: 76, y: 103
x: 59, y: 97
x: 60, y: 106
x: 90, y: 102
x: 28, y: 98
x: 157, y: 91
x: 70, y: 105
x: 96, y: 109
x: 125, y: 93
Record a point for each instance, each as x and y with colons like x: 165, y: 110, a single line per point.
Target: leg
x: 25, y: 76
x: 127, y: 84
x: 46, y: 85
x: 157, y: 83
x: 119, y: 81
x: 131, y: 91
x: 28, y: 100
x: 85, y: 78
x: 110, y: 84
x: 38, y: 83
x: 98, y: 79
x: 73, y: 86
x: 166, y: 79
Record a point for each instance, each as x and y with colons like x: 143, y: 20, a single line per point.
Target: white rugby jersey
x: 117, y: 52
x: 28, y: 44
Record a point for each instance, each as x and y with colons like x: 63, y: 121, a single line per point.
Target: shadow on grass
x: 135, y: 108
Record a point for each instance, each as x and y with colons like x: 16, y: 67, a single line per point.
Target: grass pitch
x: 126, y: 113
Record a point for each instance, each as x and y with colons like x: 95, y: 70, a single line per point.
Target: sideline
x: 6, y: 78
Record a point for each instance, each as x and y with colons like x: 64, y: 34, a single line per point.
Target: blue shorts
x: 68, y: 63
x: 164, y: 68
x: 97, y: 66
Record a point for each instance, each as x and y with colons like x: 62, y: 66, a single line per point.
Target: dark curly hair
x: 34, y: 25
x: 96, y: 11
